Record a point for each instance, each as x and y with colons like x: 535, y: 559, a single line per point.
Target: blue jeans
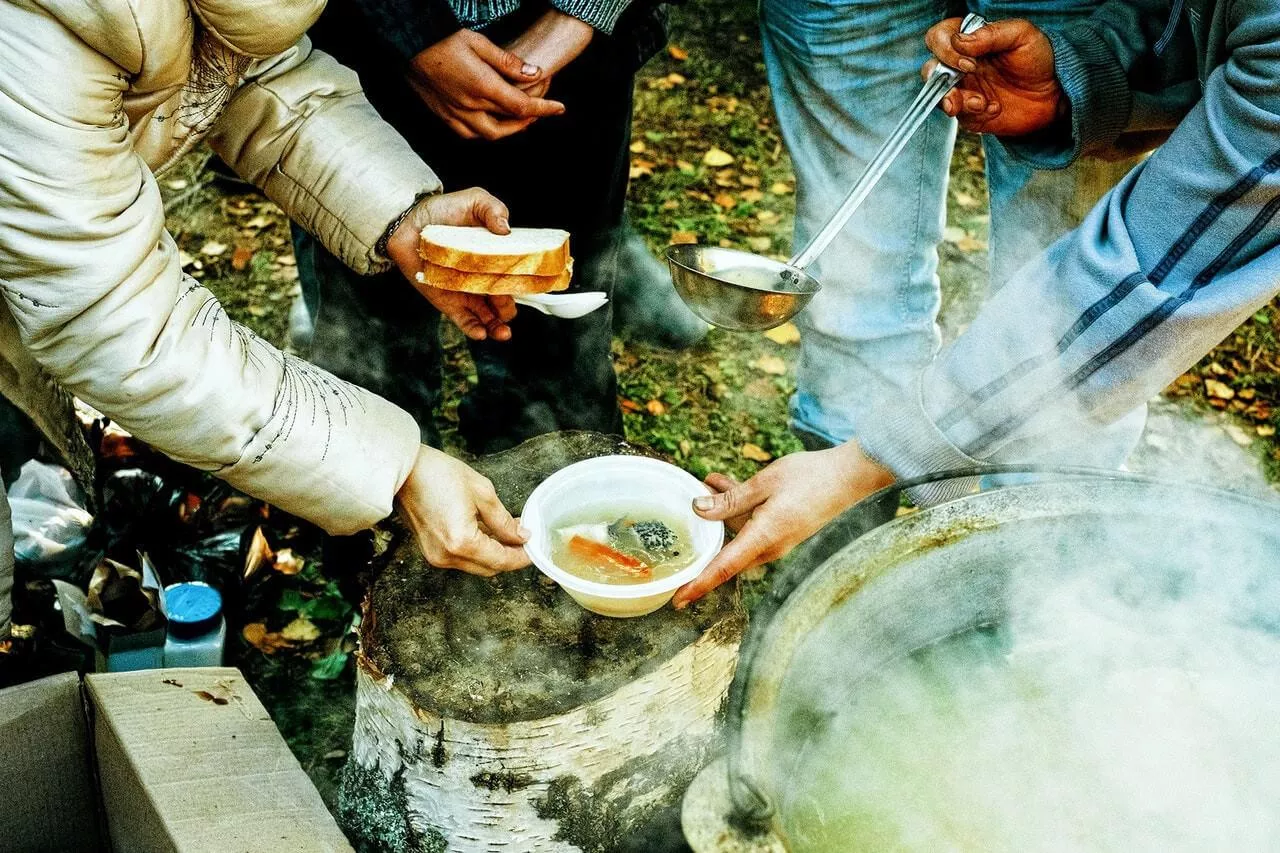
x: 843, y: 72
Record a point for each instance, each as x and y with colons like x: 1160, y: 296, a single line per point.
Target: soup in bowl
x: 619, y: 534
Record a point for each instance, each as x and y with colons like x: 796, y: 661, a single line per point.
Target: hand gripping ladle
x: 742, y: 291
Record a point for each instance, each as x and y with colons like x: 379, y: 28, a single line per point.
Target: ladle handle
x: 941, y: 81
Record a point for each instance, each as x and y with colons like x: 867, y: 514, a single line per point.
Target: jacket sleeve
x: 1130, y: 76
x: 94, y: 285
x: 1167, y: 264
x: 301, y: 130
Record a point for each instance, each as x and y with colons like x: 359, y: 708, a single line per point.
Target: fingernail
x: 529, y: 70
x: 524, y: 533
x: 504, y: 223
x: 679, y: 604
x: 964, y: 36
x: 704, y: 503
x: 968, y: 66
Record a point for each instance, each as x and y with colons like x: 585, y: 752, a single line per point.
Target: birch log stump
x: 497, y: 715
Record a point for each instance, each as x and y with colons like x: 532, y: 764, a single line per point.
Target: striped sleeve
x: 1167, y: 264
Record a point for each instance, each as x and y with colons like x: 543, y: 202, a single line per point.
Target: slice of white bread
x: 525, y: 251
x: 447, y: 278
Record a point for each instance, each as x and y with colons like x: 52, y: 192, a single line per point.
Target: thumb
x: 502, y: 526
x: 489, y: 211
x: 507, y: 63
x: 732, y: 502
x: 995, y: 37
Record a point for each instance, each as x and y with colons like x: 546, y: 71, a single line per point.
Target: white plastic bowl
x: 638, y: 482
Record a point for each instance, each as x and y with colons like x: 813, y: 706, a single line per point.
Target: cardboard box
x: 156, y: 760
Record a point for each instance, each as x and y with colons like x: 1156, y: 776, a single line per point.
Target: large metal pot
x: 904, y: 583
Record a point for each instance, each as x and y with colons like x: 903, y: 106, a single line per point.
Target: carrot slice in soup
x: 605, y: 558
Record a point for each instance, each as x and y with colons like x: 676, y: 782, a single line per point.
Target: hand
x: 478, y: 316
x: 457, y: 517
x: 474, y: 87
x: 551, y: 43
x: 1009, y: 87
x: 779, y: 508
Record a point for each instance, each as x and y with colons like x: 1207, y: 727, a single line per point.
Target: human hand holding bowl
x: 777, y: 509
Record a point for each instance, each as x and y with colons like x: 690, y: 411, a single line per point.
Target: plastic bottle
x: 197, y: 631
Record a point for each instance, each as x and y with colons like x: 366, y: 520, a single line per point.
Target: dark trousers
x: 566, y: 172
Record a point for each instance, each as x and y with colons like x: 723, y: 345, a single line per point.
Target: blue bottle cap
x: 194, y: 608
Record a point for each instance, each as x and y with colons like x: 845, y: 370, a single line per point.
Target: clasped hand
x: 482, y: 90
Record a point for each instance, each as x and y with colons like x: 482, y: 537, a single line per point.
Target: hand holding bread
x: 478, y: 315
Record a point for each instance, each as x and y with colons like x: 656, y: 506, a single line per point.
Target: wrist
x: 399, y: 242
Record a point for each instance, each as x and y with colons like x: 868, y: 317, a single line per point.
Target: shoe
x: 646, y: 306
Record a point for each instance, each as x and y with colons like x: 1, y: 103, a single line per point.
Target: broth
x: 980, y: 744
x: 621, y: 544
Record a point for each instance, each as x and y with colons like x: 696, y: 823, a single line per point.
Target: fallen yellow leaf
x: 726, y: 201
x: 684, y: 166
x: 755, y: 452
x: 717, y: 158
x: 655, y: 407
x: 678, y: 53
x: 766, y: 216
x: 683, y: 237
x: 1221, y: 390
x: 287, y: 562
x: 760, y: 244
x: 751, y: 196
x: 256, y: 635
x: 779, y: 188
x: 300, y: 630
x: 638, y: 147
x: 771, y: 364
x: 213, y: 248
x: 785, y: 334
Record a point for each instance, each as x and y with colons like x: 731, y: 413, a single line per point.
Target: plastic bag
x: 50, y: 523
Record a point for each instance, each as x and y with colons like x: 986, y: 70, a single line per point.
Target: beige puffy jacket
x: 96, y: 96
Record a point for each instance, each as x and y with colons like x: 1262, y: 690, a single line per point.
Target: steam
x: 1128, y: 702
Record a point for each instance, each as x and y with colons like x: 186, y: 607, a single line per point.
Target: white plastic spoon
x: 567, y: 306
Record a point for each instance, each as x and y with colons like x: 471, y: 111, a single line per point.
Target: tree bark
x: 497, y: 715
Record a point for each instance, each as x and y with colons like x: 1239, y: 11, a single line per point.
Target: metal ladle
x: 744, y: 292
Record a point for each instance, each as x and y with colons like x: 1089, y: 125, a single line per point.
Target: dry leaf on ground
x: 256, y: 635
x: 726, y: 201
x: 770, y: 364
x: 755, y: 452
x: 751, y: 196
x: 287, y: 562
x: 213, y: 248
x: 779, y: 188
x: 655, y: 407
x: 1221, y: 390
x: 760, y: 244
x: 240, y: 257
x: 638, y: 147
x: 678, y: 53
x: 300, y: 630
x: 717, y: 158
x: 683, y: 237
x: 785, y: 334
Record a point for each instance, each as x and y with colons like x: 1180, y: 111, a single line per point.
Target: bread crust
x: 448, y: 278
x: 549, y: 263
